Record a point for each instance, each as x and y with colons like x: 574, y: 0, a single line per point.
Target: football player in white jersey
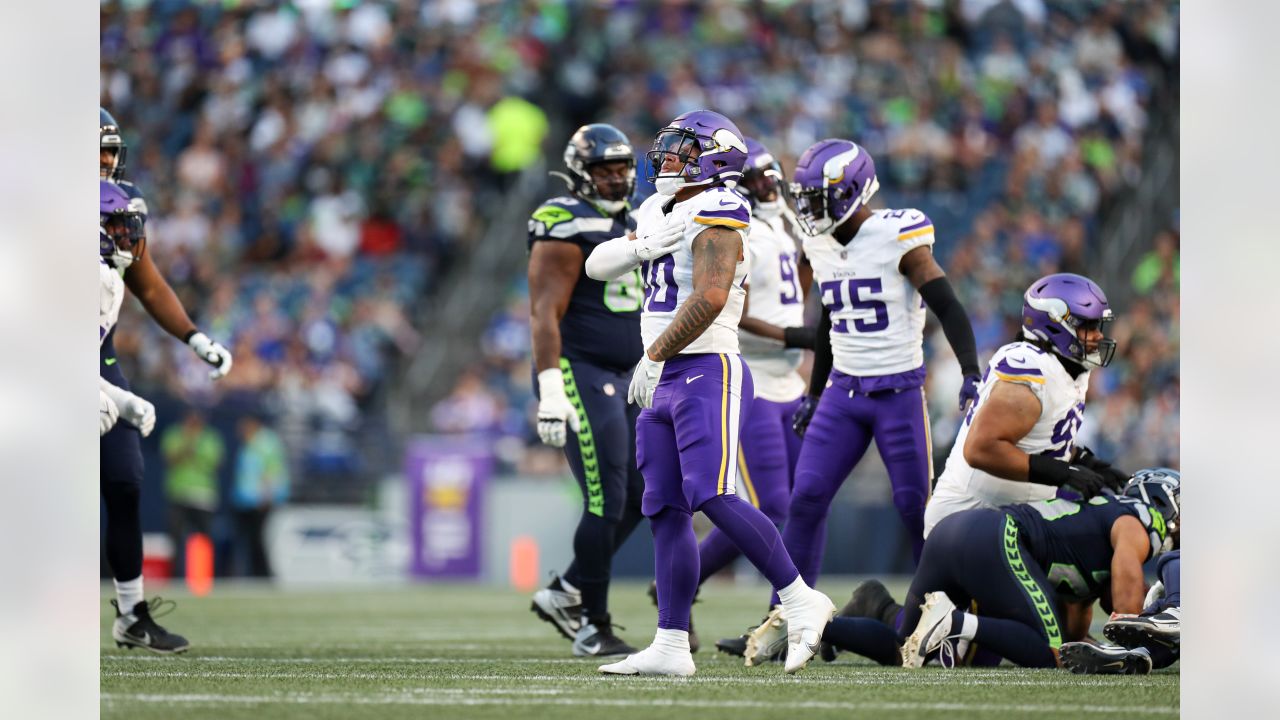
x: 876, y: 273
x: 772, y: 336
x: 1017, y: 444
x: 693, y: 386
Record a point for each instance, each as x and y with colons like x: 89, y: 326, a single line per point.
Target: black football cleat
x: 872, y: 600
x: 137, y: 628
x: 1083, y: 658
x: 1135, y: 631
x: 596, y: 639
x: 733, y: 646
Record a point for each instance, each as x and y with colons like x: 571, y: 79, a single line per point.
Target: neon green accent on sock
x: 586, y: 443
x: 1019, y: 569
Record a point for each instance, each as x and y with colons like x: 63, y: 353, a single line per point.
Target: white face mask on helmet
x: 667, y: 185
x: 768, y: 210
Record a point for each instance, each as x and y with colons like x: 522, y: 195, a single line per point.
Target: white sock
x: 968, y: 628
x: 793, y: 592
x: 669, y: 641
x: 129, y: 593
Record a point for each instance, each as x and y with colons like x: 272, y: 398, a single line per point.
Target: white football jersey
x: 668, y: 280
x: 1054, y: 434
x: 110, y: 297
x: 877, y: 315
x: 774, y: 295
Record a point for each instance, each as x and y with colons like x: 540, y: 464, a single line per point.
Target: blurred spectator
x: 1159, y: 266
x: 192, y: 454
x: 261, y: 482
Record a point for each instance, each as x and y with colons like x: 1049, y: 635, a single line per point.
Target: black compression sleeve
x: 942, y: 300
x: 821, y: 355
x: 1047, y: 471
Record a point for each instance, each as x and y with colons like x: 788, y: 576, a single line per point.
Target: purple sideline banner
x: 447, y: 479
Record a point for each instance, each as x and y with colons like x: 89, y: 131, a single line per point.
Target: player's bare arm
x: 1008, y: 414
x: 756, y: 326
x: 1130, y: 549
x: 716, y: 253
x: 151, y: 289
x: 554, y: 268
x: 919, y: 267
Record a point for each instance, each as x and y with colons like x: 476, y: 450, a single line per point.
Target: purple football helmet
x: 833, y: 179
x: 120, y: 235
x: 761, y: 178
x: 721, y: 157
x: 1056, y: 307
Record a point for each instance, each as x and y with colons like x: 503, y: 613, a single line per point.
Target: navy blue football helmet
x: 1161, y: 490
x: 110, y: 140
x: 593, y: 144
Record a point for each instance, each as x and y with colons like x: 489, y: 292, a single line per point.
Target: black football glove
x: 1115, y: 477
x: 1048, y: 471
x: 804, y: 413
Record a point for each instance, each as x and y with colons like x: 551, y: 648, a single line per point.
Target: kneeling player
x: 998, y: 559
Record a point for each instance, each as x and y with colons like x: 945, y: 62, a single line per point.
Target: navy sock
x: 864, y: 636
x: 754, y: 535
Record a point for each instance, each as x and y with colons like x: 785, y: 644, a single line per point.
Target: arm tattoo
x: 716, y: 252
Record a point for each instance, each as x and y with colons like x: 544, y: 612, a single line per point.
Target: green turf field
x: 475, y: 652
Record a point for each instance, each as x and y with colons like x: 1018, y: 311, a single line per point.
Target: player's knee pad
x: 808, y: 506
x: 910, y: 501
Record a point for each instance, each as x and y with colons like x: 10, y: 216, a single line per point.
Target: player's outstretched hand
x: 108, y: 413
x: 662, y: 241
x: 212, y: 352
x: 969, y: 392
x: 555, y: 412
x: 644, y: 381
x: 1115, y: 478
x: 1085, y: 481
x: 804, y: 413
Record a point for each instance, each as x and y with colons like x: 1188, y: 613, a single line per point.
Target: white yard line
x: 462, y: 699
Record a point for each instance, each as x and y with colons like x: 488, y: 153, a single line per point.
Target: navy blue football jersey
x: 602, y: 323
x: 1072, y: 540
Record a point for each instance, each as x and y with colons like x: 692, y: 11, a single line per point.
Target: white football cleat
x: 931, y: 632
x: 806, y: 619
x: 561, y: 608
x: 767, y: 640
x: 653, y: 661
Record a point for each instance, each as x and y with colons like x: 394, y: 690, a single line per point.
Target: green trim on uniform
x: 552, y: 215
x: 1019, y: 569
x: 586, y: 443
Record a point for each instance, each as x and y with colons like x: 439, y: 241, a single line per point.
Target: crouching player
x: 1150, y: 640
x: 1019, y: 564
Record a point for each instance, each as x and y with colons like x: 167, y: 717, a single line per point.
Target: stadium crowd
x: 1011, y: 124
x: 311, y: 170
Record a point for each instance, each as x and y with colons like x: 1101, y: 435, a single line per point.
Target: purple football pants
x: 687, y: 449
x: 842, y: 428
x: 767, y: 462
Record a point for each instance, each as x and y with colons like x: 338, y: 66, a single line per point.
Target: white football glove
x: 554, y: 408
x: 662, y: 241
x: 108, y: 413
x: 644, y: 381
x: 211, y: 352
x: 133, y: 409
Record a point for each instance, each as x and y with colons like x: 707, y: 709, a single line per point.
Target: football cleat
x: 932, y: 633
x: 733, y: 646
x: 1084, y: 658
x: 694, y: 644
x: 137, y: 628
x: 558, y: 606
x: 807, y: 618
x: 768, y: 640
x: 653, y: 661
x: 872, y: 600
x: 1135, y: 631
x: 596, y: 639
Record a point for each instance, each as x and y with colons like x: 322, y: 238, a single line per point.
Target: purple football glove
x: 969, y: 392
